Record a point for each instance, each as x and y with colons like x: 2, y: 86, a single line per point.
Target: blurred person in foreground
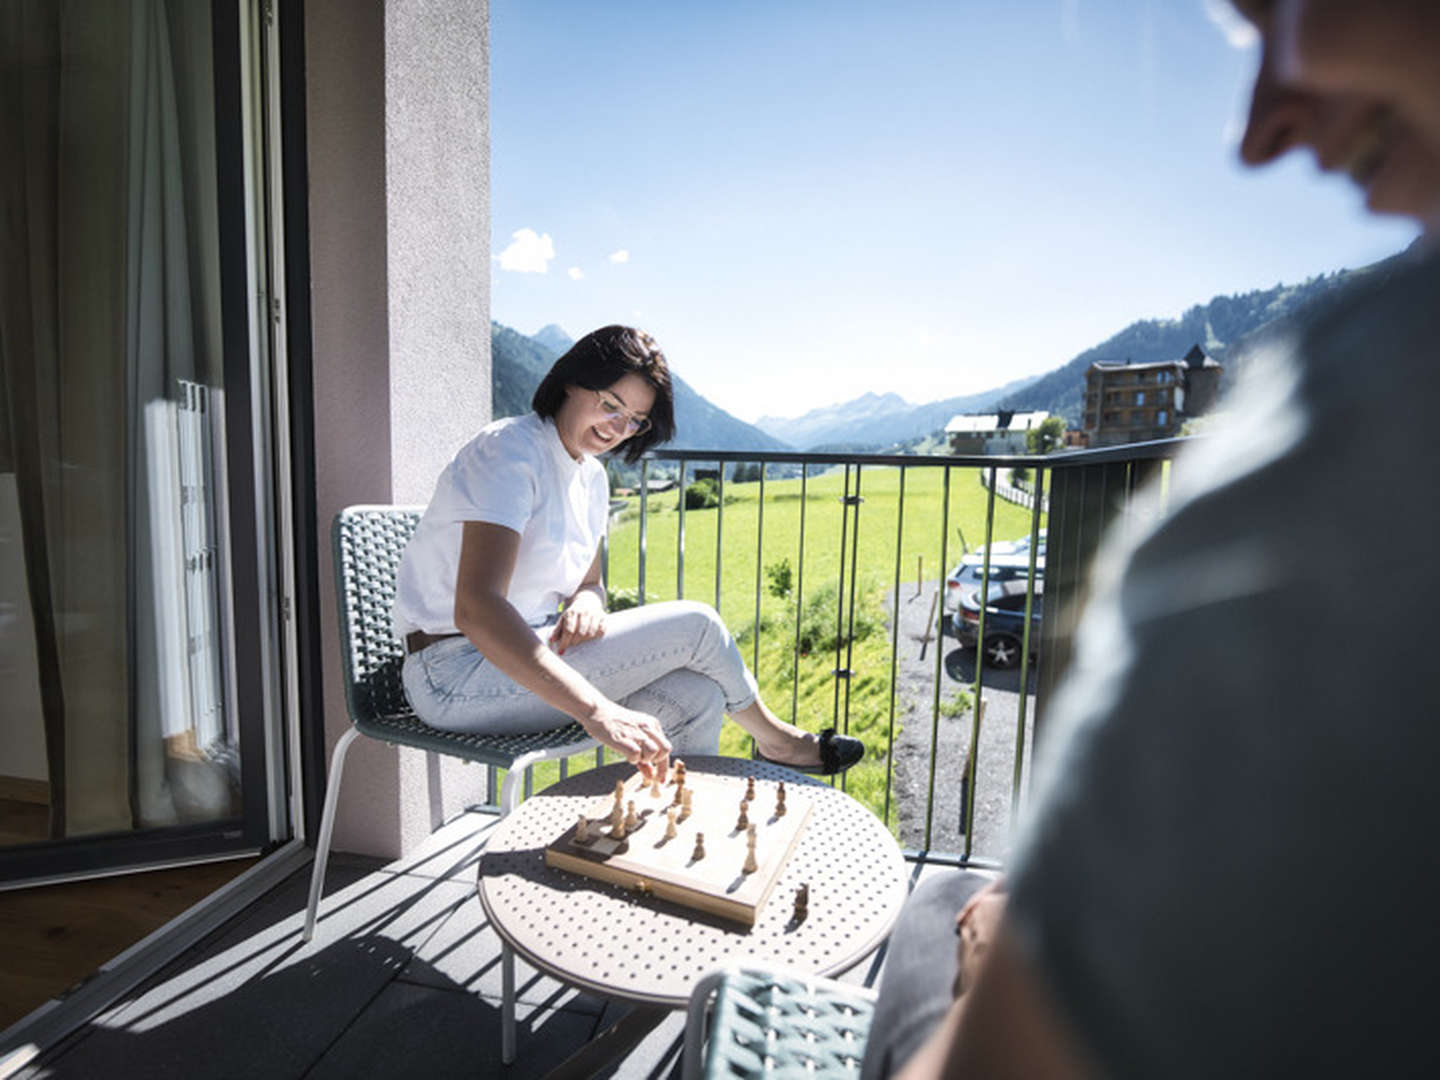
x: 1230, y: 866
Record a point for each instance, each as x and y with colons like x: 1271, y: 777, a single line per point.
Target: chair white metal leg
x: 507, y: 1004
x: 511, y: 788
x: 327, y: 826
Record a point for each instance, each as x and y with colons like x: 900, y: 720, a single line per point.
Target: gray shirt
x: 1232, y: 866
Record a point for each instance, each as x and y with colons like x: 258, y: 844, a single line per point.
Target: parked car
x: 1004, y: 622
x: 1009, y: 564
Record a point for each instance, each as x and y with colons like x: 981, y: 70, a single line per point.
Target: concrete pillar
x: 398, y: 143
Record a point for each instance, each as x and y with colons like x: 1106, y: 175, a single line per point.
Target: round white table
x: 623, y: 944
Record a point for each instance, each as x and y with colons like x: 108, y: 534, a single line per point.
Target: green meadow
x: 761, y: 553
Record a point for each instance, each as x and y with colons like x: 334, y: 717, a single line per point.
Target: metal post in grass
x: 857, y: 500
x: 644, y: 522
x: 939, y: 654
x: 972, y: 757
x: 719, y: 529
x: 799, y: 597
x: 680, y: 540
x: 839, y: 672
x: 1025, y: 642
x: 894, y: 644
x: 759, y: 564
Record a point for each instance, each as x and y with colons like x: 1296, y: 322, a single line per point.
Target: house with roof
x: 1001, y: 432
x: 1126, y: 402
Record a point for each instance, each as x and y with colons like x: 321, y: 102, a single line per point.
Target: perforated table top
x: 620, y: 943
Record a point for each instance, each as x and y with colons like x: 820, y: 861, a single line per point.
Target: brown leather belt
x: 419, y: 639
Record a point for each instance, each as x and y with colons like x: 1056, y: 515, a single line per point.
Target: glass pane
x: 112, y: 560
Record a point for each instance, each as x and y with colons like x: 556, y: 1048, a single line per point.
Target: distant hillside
x: 518, y: 363
x: 877, y: 421
x: 1226, y: 327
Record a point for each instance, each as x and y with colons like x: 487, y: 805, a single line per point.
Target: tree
x: 1046, y: 435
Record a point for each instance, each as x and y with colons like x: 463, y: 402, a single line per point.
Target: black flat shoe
x: 837, y: 753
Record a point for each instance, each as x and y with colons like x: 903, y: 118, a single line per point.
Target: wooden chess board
x: 649, y: 863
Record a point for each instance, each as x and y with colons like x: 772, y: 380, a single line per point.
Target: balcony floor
x: 402, y: 978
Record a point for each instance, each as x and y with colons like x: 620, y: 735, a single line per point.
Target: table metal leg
x: 507, y: 1003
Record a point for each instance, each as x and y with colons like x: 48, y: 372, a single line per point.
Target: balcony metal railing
x: 1087, y: 493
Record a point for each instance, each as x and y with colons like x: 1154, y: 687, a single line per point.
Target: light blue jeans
x: 675, y: 661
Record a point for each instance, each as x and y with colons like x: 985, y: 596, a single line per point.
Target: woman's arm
x: 490, y: 621
x: 584, y: 614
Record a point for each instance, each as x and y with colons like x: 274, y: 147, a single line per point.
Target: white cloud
x: 1239, y: 31
x: 529, y: 252
x: 575, y: 273
x: 621, y: 256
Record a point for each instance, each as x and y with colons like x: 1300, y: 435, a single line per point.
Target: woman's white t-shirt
x: 516, y: 473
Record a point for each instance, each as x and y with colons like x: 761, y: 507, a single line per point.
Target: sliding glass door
x: 138, y: 681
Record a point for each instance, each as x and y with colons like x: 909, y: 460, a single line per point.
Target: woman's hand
x: 636, y: 735
x: 582, y: 619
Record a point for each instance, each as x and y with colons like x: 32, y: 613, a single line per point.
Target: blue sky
x: 806, y: 200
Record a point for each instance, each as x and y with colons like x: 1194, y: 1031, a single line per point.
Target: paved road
x: 915, y: 697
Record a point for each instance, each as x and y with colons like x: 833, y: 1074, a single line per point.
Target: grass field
x: 752, y: 536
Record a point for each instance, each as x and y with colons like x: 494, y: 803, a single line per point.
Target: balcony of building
x: 403, y: 974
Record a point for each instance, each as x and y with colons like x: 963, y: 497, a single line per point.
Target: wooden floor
x: 55, y: 936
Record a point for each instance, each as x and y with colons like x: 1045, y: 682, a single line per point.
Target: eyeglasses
x: 613, y: 410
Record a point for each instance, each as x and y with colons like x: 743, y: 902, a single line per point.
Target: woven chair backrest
x: 368, y: 542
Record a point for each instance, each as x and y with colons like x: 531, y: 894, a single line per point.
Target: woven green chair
x: 771, y: 1023
x: 368, y: 541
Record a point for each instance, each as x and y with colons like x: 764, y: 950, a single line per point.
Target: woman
x: 501, y: 604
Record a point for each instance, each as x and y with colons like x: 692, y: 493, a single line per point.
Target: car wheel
x: 1002, y: 652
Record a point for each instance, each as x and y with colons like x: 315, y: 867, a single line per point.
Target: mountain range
x: 1229, y: 328
x: 518, y: 363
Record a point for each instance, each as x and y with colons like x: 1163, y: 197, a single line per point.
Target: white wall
x: 398, y: 155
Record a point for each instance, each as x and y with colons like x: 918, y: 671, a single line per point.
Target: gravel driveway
x: 914, y: 709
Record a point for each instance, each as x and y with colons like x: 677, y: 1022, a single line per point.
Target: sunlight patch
x: 575, y: 273
x: 621, y: 256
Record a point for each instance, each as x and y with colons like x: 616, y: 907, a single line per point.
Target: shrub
x: 780, y: 577
x: 817, y: 623
x: 702, y: 495
x: 620, y: 599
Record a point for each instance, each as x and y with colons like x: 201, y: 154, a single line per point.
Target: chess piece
x: 749, y: 789
x: 670, y: 824
x: 632, y: 820
x: 750, y: 864
x: 617, y: 815
x: 677, y: 772
x: 685, y: 804
x: 617, y: 830
x: 679, y: 789
x: 619, y: 791
x: 744, y: 820
x: 802, y: 902
x: 699, y: 852
x: 655, y: 786
x: 780, y: 800
x: 582, y: 830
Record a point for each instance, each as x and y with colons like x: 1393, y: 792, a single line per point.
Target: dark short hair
x: 598, y: 361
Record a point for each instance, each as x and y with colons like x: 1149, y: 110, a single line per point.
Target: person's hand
x: 582, y: 620
x: 976, y: 926
x: 636, y: 735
